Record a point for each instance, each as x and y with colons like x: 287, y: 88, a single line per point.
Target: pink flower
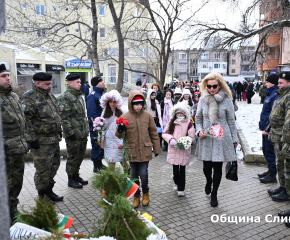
x: 101, y: 124
x: 98, y: 128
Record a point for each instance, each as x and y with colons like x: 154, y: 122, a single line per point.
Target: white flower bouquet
x: 184, y: 143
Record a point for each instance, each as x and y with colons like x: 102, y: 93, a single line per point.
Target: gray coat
x: 211, y: 149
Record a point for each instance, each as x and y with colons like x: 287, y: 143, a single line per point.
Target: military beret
x: 95, y: 81
x: 42, y: 76
x: 3, y: 68
x: 73, y: 76
x: 285, y: 75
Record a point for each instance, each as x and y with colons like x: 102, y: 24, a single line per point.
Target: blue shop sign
x: 77, y: 63
x: 274, y: 72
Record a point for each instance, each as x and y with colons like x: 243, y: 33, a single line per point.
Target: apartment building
x: 63, y: 30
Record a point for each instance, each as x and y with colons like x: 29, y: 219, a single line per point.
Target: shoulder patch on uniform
x: 61, y: 108
x: 24, y: 107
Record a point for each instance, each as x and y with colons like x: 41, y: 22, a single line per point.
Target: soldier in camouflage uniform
x: 15, y: 137
x: 279, y: 122
x: 262, y: 93
x: 71, y: 108
x: 44, y: 126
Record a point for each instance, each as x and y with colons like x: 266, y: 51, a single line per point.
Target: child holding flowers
x: 113, y: 148
x: 179, y: 126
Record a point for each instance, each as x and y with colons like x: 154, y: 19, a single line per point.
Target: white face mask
x: 179, y: 119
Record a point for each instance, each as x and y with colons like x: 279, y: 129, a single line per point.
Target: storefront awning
x: 28, y: 71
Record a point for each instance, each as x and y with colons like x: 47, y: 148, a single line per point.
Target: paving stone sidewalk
x: 186, y: 217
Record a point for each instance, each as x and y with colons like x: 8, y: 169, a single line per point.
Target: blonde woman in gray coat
x: 215, y: 107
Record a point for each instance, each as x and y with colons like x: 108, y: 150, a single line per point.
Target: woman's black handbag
x: 232, y: 171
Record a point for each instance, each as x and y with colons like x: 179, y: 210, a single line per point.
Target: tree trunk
x: 94, y: 49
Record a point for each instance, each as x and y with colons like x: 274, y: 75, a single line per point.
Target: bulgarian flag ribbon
x: 64, y: 221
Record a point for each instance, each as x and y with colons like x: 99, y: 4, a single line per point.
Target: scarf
x: 212, y: 102
x: 166, y: 113
x: 179, y: 119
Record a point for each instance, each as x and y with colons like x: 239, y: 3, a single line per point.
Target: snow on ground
x: 248, y: 117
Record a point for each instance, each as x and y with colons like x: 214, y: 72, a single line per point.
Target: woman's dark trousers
x: 179, y: 176
x: 214, y: 180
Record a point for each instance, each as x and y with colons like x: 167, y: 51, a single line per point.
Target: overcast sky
x: 230, y: 13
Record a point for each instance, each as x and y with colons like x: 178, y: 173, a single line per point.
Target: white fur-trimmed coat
x: 221, y: 111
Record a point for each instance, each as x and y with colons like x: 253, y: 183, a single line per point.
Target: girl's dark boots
x: 165, y: 148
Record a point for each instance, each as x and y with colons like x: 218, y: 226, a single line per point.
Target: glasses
x: 212, y: 86
x: 5, y: 75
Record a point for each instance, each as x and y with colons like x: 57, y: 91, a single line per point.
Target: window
x: 102, y: 10
x: 67, y: 30
x: 204, y: 56
x: 204, y: 65
x: 112, y: 73
x: 234, y: 53
x: 77, y: 31
x: 182, y: 66
x: 233, y: 61
x: 55, y: 31
x: 182, y: 56
x: 224, y: 66
x: 126, y: 52
x: 23, y: 5
x: 88, y: 30
x: 125, y: 74
x: 217, y: 56
x: 102, y: 32
x: 137, y: 33
x: 113, y: 52
x: 66, y: 9
x: 233, y: 70
x: 114, y: 28
x: 216, y: 65
x: 25, y: 29
x: 245, y: 68
x: 245, y: 58
x: 39, y: 10
x: 193, y: 61
x: 76, y: 9
x: 137, y: 12
x: 88, y: 8
x: 41, y: 33
x: 54, y: 9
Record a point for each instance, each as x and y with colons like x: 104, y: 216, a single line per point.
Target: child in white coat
x: 178, y: 126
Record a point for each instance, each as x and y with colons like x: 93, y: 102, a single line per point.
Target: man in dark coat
x: 239, y: 90
x: 86, y: 89
x: 267, y: 146
x: 95, y: 110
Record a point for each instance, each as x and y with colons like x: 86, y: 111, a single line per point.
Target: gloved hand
x: 72, y: 137
x: 121, y: 128
x: 35, y: 144
x: 60, y: 134
x: 173, y: 142
x: 156, y: 155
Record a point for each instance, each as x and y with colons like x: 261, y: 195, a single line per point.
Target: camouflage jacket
x: 280, y: 117
x: 262, y: 91
x: 13, y: 123
x: 41, y: 113
x: 71, y: 108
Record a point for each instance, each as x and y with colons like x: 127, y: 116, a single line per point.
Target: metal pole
x: 172, y: 66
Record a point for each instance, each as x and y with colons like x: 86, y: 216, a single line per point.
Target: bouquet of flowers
x: 98, y: 125
x: 184, y: 143
x: 122, y: 126
x: 144, y: 91
x: 216, y: 131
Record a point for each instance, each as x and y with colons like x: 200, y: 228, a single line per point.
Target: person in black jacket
x: 139, y: 84
x: 157, y: 89
x: 250, y: 92
x: 245, y: 85
x: 239, y: 90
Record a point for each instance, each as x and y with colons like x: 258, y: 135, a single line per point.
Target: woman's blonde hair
x: 218, y: 77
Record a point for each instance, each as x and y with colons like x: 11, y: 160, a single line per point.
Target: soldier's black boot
x: 72, y: 183
x: 53, y: 196
x: 270, y: 178
x: 102, y: 165
x: 96, y: 167
x: 261, y: 175
x: 284, y: 213
x: 77, y: 178
x: 287, y: 223
x: 275, y: 191
x: 44, y: 193
x: 282, y: 196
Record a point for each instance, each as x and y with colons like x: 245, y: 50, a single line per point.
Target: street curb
x: 248, y: 155
x: 63, y: 155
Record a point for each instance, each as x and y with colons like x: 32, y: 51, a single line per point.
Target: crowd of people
x: 38, y: 121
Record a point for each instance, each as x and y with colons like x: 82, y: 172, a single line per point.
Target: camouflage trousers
x: 279, y: 164
x: 286, y: 154
x: 76, y: 150
x: 46, y: 161
x: 15, y: 172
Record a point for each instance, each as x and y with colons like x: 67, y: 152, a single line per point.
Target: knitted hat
x: 177, y: 91
x: 285, y: 75
x: 73, y: 76
x: 113, y: 94
x: 95, y: 81
x: 179, y: 107
x: 186, y: 91
x: 273, y: 78
x: 137, y: 100
x: 3, y: 68
x: 42, y: 76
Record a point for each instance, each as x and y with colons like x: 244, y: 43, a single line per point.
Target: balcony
x: 273, y: 40
x: 270, y: 64
x: 182, y: 70
x: 182, y: 60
